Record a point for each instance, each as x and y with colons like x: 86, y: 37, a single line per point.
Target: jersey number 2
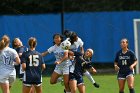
x: 34, y: 60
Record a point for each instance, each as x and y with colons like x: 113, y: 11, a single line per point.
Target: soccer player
x: 18, y: 46
x: 76, y: 42
x: 124, y: 64
x: 81, y: 63
x: 33, y: 65
x: 62, y: 62
x: 8, y: 58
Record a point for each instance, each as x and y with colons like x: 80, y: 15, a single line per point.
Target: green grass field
x: 108, y: 84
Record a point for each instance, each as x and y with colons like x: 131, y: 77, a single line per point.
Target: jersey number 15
x: 34, y: 60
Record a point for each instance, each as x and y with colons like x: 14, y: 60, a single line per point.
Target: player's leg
x: 81, y: 88
x: 26, y: 88
x: 66, y: 72
x: 80, y: 84
x: 88, y: 75
x: 38, y: 88
x: 12, y: 79
x: 66, y: 82
x: 73, y: 86
x: 121, y: 82
x: 5, y: 87
x: 32, y: 90
x: 54, y: 77
x: 130, y: 82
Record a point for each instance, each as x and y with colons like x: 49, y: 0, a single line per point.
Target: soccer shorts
x: 124, y: 75
x: 62, y: 69
x: 8, y: 79
x: 78, y: 78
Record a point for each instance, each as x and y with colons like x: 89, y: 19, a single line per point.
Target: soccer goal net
x: 137, y: 42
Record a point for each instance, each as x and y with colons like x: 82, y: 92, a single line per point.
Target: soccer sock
x: 59, y: 79
x: 121, y: 92
x: 68, y: 92
x: 132, y: 90
x: 88, y: 75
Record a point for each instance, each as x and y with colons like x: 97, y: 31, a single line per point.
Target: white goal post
x: 137, y: 42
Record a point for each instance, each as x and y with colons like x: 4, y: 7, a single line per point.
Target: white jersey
x: 7, y: 58
x: 77, y: 44
x: 59, y: 53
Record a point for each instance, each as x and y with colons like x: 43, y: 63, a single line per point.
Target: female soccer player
x: 62, y: 62
x: 18, y: 46
x: 33, y: 65
x: 76, y: 42
x: 8, y: 58
x: 82, y: 62
x: 125, y: 62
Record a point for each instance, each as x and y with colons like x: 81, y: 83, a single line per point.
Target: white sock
x: 59, y: 79
x: 68, y: 92
x: 88, y: 75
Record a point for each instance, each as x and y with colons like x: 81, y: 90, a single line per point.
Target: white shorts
x: 8, y: 79
x: 29, y: 85
x: 62, y: 69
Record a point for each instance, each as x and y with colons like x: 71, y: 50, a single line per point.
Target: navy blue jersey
x: 19, y: 72
x: 21, y: 49
x: 125, y: 60
x: 81, y: 64
x: 33, y: 71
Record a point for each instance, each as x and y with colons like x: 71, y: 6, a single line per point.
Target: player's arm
x: 23, y: 61
x: 116, y: 66
x: 45, y: 53
x: 43, y: 66
x: 92, y: 70
x: 82, y: 49
x: 133, y: 65
x: 63, y: 58
x: 23, y: 66
x: 17, y: 60
x: 134, y: 61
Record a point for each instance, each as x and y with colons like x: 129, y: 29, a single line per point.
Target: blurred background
x: 101, y: 24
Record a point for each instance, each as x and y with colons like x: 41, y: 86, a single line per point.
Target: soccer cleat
x: 96, y: 85
x: 64, y: 91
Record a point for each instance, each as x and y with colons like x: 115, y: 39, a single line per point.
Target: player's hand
x: 131, y: 67
x: 116, y: 68
x: 57, y: 62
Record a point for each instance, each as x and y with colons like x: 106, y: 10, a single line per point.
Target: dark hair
x: 73, y: 37
x: 59, y: 36
x: 6, y: 40
x: 68, y: 33
x: 32, y: 42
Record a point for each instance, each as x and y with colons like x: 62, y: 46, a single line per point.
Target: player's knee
x: 52, y: 82
x: 130, y: 86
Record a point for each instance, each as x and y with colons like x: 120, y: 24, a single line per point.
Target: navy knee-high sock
x: 132, y: 90
x: 121, y: 92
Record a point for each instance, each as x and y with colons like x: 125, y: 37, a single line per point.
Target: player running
x: 8, y: 58
x: 33, y: 65
x: 125, y: 62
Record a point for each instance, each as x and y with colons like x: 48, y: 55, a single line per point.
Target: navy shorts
x: 125, y: 75
x: 78, y: 78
